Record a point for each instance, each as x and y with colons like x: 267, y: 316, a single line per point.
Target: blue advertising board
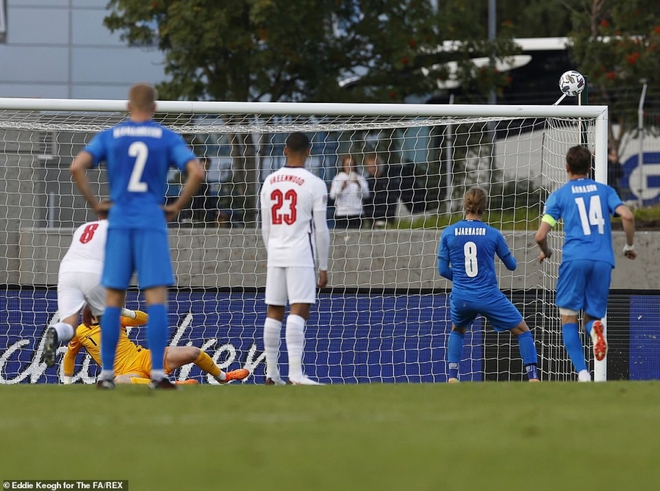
x: 644, y: 337
x: 350, y: 338
x: 642, y: 181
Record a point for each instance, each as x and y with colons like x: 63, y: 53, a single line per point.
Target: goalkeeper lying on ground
x: 132, y: 361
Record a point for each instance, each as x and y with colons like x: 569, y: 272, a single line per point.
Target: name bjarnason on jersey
x: 137, y: 131
x: 469, y: 231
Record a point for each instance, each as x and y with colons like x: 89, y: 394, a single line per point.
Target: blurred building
x: 61, y: 49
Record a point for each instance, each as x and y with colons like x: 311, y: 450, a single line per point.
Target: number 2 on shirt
x: 279, y: 198
x: 140, y: 151
x: 593, y: 216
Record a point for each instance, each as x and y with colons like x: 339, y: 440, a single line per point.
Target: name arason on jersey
x: 287, y: 177
x: 150, y: 131
x: 469, y: 231
x: 589, y: 188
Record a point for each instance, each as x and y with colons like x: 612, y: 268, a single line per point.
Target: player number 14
x: 592, y: 216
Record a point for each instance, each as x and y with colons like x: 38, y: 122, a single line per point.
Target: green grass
x: 490, y: 436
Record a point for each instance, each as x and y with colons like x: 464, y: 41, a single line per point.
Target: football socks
x: 109, y: 340
x: 295, y: 343
x: 64, y: 331
x: 454, y: 352
x: 574, y: 346
x: 205, y: 363
x: 157, y: 338
x: 272, y: 333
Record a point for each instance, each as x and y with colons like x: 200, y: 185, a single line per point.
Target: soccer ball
x: 571, y: 83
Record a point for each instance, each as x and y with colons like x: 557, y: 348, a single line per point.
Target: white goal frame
x: 599, y: 114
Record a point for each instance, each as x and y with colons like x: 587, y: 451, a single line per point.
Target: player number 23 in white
x: 592, y: 216
x: 140, y: 151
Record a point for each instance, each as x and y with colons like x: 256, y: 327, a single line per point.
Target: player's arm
x: 628, y: 222
x: 444, y: 265
x: 133, y: 318
x: 322, y: 234
x: 541, y: 237
x: 504, y: 253
x: 265, y: 220
x: 444, y: 268
x: 196, y: 174
x: 83, y: 161
x: 69, y: 359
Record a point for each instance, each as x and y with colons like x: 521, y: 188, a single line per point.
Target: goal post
x: 384, y: 316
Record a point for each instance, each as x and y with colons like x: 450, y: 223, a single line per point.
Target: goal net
x: 385, y: 314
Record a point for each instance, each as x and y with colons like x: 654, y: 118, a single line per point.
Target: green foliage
x: 280, y: 50
x: 616, y: 45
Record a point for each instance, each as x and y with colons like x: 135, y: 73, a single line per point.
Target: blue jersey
x: 586, y: 207
x: 470, y: 247
x: 138, y: 157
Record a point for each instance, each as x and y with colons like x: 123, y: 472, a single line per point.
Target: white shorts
x: 297, y: 284
x: 76, y: 289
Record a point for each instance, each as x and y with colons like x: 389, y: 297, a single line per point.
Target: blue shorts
x: 142, y: 250
x: 584, y: 285
x: 498, y: 309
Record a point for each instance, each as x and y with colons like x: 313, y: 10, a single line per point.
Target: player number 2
x: 140, y: 151
x: 291, y: 197
x: 471, y: 264
x: 593, y: 216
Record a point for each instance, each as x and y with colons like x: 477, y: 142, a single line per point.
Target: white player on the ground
x: 293, y: 213
x: 79, y: 283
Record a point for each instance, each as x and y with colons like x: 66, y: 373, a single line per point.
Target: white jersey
x: 290, y: 197
x: 87, y: 250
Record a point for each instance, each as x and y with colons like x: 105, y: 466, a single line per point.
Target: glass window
x: 3, y: 23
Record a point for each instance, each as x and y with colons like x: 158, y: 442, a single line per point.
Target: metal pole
x: 449, y: 159
x: 492, y: 96
x: 640, y: 155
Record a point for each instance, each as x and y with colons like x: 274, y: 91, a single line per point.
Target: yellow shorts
x: 140, y: 365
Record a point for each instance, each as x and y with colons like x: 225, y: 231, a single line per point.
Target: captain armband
x: 549, y: 220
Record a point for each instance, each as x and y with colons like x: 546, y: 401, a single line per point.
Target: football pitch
x: 470, y: 436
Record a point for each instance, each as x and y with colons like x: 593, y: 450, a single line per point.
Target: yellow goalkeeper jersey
x: 89, y: 338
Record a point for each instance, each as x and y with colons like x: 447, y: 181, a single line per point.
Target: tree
x: 615, y: 44
x: 283, y: 50
x: 279, y: 50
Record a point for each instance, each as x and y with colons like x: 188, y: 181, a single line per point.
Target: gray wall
x: 218, y: 258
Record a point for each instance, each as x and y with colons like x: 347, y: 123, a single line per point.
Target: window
x: 3, y: 23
